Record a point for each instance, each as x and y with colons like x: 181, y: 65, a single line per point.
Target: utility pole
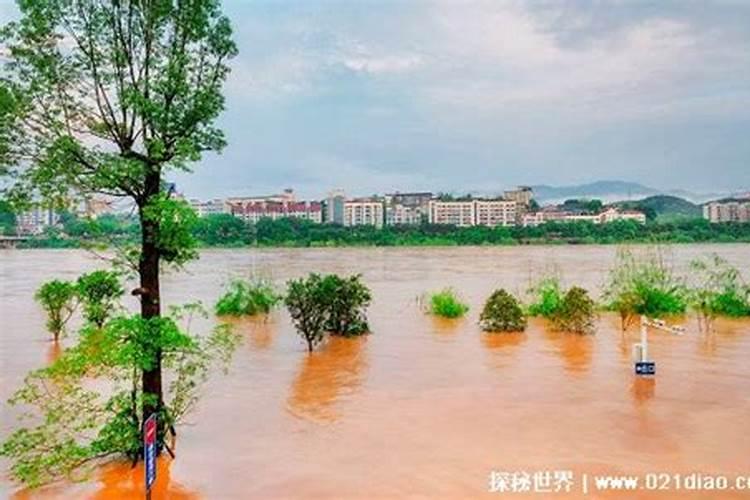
x: 644, y: 366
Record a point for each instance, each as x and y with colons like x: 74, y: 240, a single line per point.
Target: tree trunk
x: 148, y: 270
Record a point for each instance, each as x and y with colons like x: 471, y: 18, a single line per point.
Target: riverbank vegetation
x: 446, y: 303
x: 99, y: 292
x: 502, y: 313
x: 642, y: 283
x: 576, y: 313
x: 546, y: 297
x: 58, y: 299
x: 327, y: 304
x: 571, y: 310
x: 247, y: 298
x: 718, y: 290
x: 79, y: 423
x: 224, y: 230
x: 348, y: 299
x: 108, y: 99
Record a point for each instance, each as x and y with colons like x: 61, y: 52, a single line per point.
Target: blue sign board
x: 149, y: 449
x: 645, y: 368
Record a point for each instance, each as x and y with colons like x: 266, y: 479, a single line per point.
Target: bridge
x: 11, y: 241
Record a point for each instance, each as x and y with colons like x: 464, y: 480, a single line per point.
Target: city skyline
x: 379, y: 96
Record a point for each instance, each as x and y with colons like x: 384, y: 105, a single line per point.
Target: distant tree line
x: 227, y: 230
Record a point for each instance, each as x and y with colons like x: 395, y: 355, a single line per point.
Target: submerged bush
x: 447, y: 304
x: 320, y: 304
x: 247, y: 298
x: 502, y: 313
x: 57, y: 298
x: 576, y: 313
x: 99, y: 292
x: 347, y: 299
x: 719, y: 290
x: 547, y: 297
x: 642, y: 284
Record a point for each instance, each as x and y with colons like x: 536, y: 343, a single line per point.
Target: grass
x: 546, y: 297
x: 247, y: 298
x: 447, y: 304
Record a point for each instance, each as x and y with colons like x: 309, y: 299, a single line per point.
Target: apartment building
x: 554, y: 214
x: 728, y: 210
x: 460, y: 213
x: 613, y: 214
x: 495, y: 212
x: 36, y: 220
x: 210, y: 207
x: 334, y: 207
x: 464, y: 213
x: 396, y: 215
x: 522, y: 195
x: 253, y: 211
x: 407, y: 208
x: 364, y: 212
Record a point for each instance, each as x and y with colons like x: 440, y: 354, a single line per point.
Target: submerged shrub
x: 719, y: 290
x: 643, y: 284
x: 347, y: 299
x: 447, y: 304
x: 502, y: 313
x: 57, y: 298
x: 304, y: 299
x: 247, y: 298
x: 320, y: 304
x: 576, y: 313
x: 99, y: 292
x: 547, y: 297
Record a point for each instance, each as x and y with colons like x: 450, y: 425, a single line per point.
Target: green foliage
x: 719, y: 290
x: 7, y: 218
x: 502, y: 313
x: 576, y: 313
x: 99, y: 292
x: 228, y: 230
x: 643, y: 284
x: 57, y: 298
x: 447, y: 304
x: 590, y: 206
x: 174, y: 221
x: 224, y: 230
x: 304, y: 300
x: 320, y: 304
x: 247, y: 298
x: 347, y: 299
x: 547, y: 297
x: 108, y: 97
x: 664, y: 208
x: 73, y: 424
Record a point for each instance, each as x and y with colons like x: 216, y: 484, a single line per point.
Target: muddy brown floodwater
x: 422, y: 408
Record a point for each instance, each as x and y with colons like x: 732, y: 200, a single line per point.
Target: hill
x: 612, y: 191
x: 664, y: 207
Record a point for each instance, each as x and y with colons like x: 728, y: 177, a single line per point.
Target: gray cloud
x: 464, y: 95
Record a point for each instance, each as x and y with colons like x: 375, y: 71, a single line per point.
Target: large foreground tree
x: 108, y: 96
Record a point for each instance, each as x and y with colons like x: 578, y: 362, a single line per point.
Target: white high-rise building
x: 364, y: 212
x: 464, y: 213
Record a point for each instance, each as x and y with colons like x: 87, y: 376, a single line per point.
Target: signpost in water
x: 643, y: 366
x: 149, y: 452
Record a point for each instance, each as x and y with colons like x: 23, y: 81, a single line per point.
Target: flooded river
x: 422, y: 408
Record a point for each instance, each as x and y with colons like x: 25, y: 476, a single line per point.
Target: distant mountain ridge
x: 612, y: 191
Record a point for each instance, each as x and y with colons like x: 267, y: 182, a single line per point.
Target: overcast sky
x: 374, y: 96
